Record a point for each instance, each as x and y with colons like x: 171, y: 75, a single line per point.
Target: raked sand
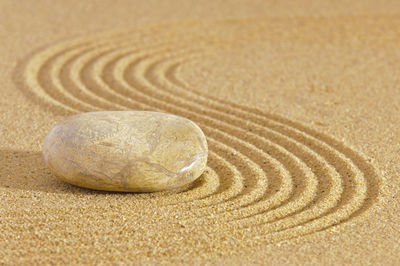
x: 299, y: 100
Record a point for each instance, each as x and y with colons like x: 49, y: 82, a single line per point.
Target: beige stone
x: 136, y: 151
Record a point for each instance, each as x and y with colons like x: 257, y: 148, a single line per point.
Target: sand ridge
x: 272, y: 175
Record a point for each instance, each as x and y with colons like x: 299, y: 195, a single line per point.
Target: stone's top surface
x: 138, y: 151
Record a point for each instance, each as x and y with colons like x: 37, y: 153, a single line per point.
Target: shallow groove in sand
x: 267, y: 176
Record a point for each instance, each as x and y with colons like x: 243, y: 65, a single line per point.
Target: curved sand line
x: 225, y: 208
x: 361, y: 189
x: 261, y: 186
x: 310, y: 210
x: 53, y: 76
x: 283, y: 178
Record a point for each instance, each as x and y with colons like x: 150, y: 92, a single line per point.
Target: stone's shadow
x: 26, y: 170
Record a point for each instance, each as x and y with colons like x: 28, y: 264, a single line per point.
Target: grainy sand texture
x: 299, y: 100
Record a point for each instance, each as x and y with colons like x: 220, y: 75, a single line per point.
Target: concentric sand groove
x: 135, y: 75
x: 265, y: 172
x: 261, y: 185
x: 225, y: 208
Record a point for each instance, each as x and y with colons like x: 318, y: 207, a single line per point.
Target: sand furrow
x: 268, y: 176
x: 336, y: 191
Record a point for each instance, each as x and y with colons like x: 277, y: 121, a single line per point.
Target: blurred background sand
x: 299, y: 100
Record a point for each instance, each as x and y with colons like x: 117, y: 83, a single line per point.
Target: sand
x: 299, y: 101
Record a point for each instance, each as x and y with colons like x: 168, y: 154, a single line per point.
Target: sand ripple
x: 274, y: 176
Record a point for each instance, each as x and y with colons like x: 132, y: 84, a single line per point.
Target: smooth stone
x: 136, y: 151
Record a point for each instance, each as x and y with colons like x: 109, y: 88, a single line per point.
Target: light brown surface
x: 299, y: 101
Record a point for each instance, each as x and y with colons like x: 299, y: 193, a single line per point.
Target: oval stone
x: 138, y: 151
